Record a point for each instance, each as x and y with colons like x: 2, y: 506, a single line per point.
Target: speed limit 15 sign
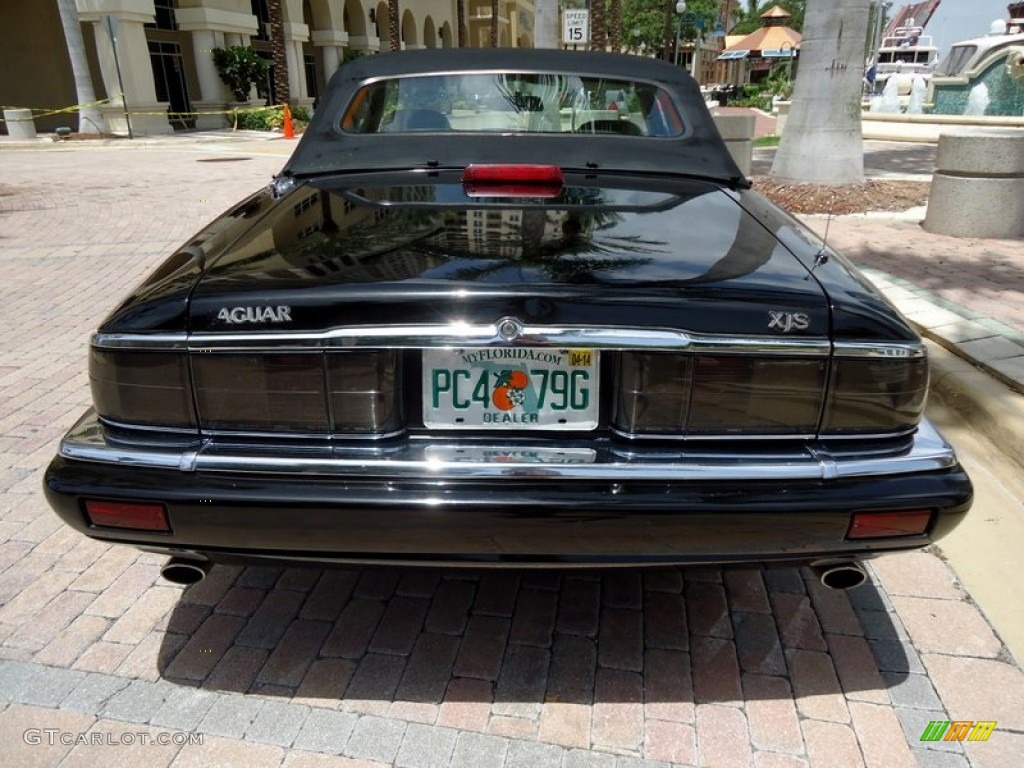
x: 575, y: 27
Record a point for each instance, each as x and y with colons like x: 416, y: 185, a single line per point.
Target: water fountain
x: 977, y: 101
x: 974, y: 102
x: 995, y: 60
x: 889, y: 103
x: 918, y: 90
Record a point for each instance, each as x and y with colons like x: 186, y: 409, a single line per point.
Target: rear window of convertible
x: 513, y: 103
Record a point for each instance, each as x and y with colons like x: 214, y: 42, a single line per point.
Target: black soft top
x: 325, y: 148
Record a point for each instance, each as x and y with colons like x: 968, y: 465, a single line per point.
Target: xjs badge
x: 237, y: 315
x: 788, y: 321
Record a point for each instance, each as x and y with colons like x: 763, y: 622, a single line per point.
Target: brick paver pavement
x: 365, y: 667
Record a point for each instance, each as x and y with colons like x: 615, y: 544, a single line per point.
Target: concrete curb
x: 987, y: 403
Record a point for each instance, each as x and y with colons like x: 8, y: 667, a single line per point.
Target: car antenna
x: 821, y: 257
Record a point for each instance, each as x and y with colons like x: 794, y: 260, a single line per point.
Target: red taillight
x: 522, y: 180
x: 291, y: 392
x: 127, y: 514
x: 875, y: 396
x: 142, y: 387
x: 880, y: 525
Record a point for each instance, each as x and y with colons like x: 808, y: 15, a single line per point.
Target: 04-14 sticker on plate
x: 510, y: 388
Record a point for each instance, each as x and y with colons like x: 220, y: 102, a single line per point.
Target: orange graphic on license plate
x: 510, y: 390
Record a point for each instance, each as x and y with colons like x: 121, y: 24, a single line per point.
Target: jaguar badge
x: 238, y: 315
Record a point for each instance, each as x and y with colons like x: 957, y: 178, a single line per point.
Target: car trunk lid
x: 626, y: 253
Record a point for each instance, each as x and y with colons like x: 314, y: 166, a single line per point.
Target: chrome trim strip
x: 829, y: 471
x: 140, y: 340
x: 286, y: 437
x: 183, y: 431
x: 87, y: 441
x: 291, y: 437
x: 464, y: 335
x: 847, y: 437
x: 927, y: 452
x: 909, y: 350
x: 644, y: 436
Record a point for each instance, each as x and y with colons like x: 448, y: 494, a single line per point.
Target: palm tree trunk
x: 460, y: 20
x: 823, y: 142
x: 615, y: 25
x: 89, y: 118
x: 494, y: 23
x: 278, y: 50
x: 598, y: 25
x: 667, y: 52
x: 394, y: 36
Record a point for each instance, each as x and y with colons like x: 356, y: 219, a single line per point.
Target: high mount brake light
x: 500, y: 173
x: 521, y: 180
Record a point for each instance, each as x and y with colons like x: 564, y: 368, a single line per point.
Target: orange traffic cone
x: 289, y: 128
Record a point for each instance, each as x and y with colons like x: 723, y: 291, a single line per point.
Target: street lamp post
x: 788, y: 51
x: 692, y: 18
x: 680, y: 8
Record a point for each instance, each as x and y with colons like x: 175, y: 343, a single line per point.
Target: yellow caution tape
x: 47, y: 112
x: 211, y: 112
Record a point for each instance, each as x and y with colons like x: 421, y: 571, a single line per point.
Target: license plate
x: 522, y: 388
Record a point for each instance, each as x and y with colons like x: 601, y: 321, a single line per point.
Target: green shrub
x: 780, y: 80
x: 265, y: 119
x: 271, y: 119
x: 764, y: 103
x: 753, y: 96
x: 240, y: 67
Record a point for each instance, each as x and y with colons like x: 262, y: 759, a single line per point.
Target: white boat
x: 905, y: 54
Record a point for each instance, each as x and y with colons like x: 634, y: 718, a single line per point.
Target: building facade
x: 515, y: 24
x: 158, y: 53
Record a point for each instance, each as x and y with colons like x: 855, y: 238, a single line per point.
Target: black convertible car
x: 549, y: 326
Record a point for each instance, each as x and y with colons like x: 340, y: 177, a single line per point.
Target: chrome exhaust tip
x: 185, y: 572
x: 841, y: 576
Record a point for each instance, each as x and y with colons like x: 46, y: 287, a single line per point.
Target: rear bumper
x: 518, y: 502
